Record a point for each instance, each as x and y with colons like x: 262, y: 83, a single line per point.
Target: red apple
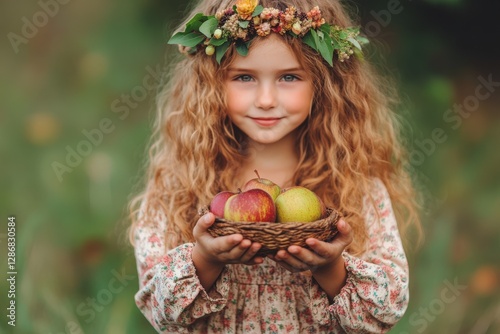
x: 218, y: 202
x: 267, y: 185
x: 299, y: 204
x: 254, y: 205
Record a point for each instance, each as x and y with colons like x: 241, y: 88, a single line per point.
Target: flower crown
x: 247, y: 19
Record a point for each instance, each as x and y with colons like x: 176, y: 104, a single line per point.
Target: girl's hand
x: 229, y: 249
x: 320, y: 257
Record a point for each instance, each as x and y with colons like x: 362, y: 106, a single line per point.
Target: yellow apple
x: 298, y: 204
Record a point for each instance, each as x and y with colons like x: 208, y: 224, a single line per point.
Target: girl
x: 272, y: 87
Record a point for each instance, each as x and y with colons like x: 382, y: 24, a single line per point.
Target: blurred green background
x: 81, y: 76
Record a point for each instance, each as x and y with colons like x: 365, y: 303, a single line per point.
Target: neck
x: 276, y: 161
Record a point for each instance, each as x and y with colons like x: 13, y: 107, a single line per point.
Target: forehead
x: 267, y: 53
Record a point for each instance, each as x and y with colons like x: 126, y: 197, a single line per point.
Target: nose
x: 267, y: 96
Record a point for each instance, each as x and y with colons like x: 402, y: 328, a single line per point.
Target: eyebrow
x: 242, y: 69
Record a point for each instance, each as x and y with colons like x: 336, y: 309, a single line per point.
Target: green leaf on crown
x: 309, y: 40
x: 189, y: 39
x: 242, y: 48
x: 328, y: 52
x: 221, y: 50
x: 362, y: 40
x: 315, y: 37
x: 217, y: 42
x: 335, y: 44
x: 195, y: 23
x: 257, y: 11
x: 321, y: 42
x: 208, y: 27
x: 355, y: 43
x: 244, y: 24
x: 326, y: 29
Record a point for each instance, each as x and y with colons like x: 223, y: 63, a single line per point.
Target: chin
x: 265, y: 140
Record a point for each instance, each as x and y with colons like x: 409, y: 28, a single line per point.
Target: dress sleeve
x: 170, y: 294
x: 375, y: 296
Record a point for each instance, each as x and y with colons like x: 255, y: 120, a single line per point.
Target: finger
x: 218, y: 245
x: 251, y: 252
x: 335, y: 247
x: 293, y: 269
x: 292, y: 261
x: 230, y: 249
x: 203, y: 224
x: 254, y: 261
x: 304, y: 255
x: 282, y: 264
x: 320, y: 248
x: 345, y: 233
x: 230, y: 244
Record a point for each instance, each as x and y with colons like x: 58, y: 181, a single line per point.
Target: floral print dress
x: 269, y: 299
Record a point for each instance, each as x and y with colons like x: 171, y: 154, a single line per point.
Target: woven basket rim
x: 333, y: 214
x: 275, y: 236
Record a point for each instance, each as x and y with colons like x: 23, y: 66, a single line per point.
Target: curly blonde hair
x: 351, y: 137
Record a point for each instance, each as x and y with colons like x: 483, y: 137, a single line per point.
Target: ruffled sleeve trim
x: 375, y: 296
x: 170, y: 294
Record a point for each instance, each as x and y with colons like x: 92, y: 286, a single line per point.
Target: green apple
x: 267, y: 185
x: 298, y: 204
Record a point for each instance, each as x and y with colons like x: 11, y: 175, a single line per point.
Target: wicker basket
x: 276, y: 236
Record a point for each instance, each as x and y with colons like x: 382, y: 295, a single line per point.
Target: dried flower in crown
x: 247, y: 19
x: 245, y: 8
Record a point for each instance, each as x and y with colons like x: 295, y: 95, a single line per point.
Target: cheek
x: 230, y: 100
x: 236, y: 101
x: 232, y: 104
x: 301, y: 102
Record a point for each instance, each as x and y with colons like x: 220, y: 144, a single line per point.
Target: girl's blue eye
x: 244, y: 78
x: 289, y: 78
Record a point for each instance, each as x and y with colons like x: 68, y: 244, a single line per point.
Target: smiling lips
x: 266, y: 121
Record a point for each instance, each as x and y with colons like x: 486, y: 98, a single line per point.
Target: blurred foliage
x: 91, y: 65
